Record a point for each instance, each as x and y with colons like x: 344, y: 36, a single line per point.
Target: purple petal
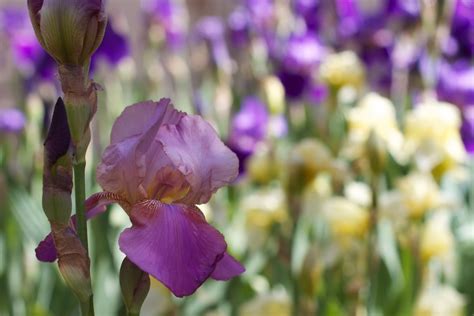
x: 174, y: 244
x: 197, y: 152
x: 46, y: 252
x: 12, y: 120
x: 227, y: 268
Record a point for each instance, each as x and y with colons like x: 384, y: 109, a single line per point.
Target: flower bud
x: 342, y: 69
x: 135, y: 285
x: 57, y: 177
x: 69, y: 30
x: 377, y: 152
x: 73, y: 261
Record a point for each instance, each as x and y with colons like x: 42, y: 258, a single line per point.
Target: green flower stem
x: 372, y: 260
x: 80, y: 194
x: 87, y: 307
x: 295, y: 204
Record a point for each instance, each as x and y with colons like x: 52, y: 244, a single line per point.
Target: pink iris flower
x: 159, y: 165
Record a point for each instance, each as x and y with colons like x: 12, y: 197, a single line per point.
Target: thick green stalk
x: 372, y: 260
x: 80, y: 194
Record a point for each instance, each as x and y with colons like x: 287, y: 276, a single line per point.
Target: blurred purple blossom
x: 456, y: 82
x: 467, y: 129
x: 167, y: 14
x: 211, y: 29
x: 11, y: 120
x: 25, y: 47
x: 308, y: 10
x: 239, y: 27
x: 261, y: 12
x: 462, y: 28
x: 113, y: 49
x: 298, y: 62
x: 248, y: 128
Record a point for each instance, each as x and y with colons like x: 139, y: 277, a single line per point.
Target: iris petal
x: 174, y: 244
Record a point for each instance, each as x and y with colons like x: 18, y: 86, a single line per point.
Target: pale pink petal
x: 129, y: 161
x: 174, y: 244
x: 196, y: 151
x: 136, y: 119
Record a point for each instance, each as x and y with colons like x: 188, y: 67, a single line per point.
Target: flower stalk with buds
x: 71, y: 31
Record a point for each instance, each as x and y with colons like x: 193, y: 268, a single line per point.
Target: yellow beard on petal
x: 170, y: 186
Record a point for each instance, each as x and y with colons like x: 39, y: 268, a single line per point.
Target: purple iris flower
x: 167, y: 14
x: 309, y: 10
x: 211, y: 29
x: 24, y: 45
x: 467, y: 129
x: 11, y: 120
x: 248, y: 128
x: 298, y: 62
x: 262, y: 13
x: 159, y: 165
x: 456, y: 83
x: 239, y: 27
x: 360, y: 17
x: 369, y: 28
x: 113, y: 49
x: 462, y: 28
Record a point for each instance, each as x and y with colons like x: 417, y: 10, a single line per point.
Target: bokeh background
x: 354, y: 124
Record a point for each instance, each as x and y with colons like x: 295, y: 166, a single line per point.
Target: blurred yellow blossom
x: 437, y: 240
x: 261, y: 167
x: 265, y: 207
x: 307, y: 158
x: 274, y: 94
x: 345, y: 218
x: 373, y: 114
x: 432, y: 135
x: 275, y: 304
x: 341, y: 69
x: 358, y: 193
x: 440, y: 300
x: 419, y: 193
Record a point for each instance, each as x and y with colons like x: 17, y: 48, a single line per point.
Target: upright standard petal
x: 197, y: 152
x: 138, y: 118
x: 126, y: 162
x: 173, y: 243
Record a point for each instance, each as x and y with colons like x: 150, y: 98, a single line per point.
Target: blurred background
x: 353, y: 121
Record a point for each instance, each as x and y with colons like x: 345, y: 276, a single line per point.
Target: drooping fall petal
x: 227, y: 268
x: 173, y: 243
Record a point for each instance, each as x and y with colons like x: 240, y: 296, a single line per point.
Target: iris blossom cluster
x: 159, y: 165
